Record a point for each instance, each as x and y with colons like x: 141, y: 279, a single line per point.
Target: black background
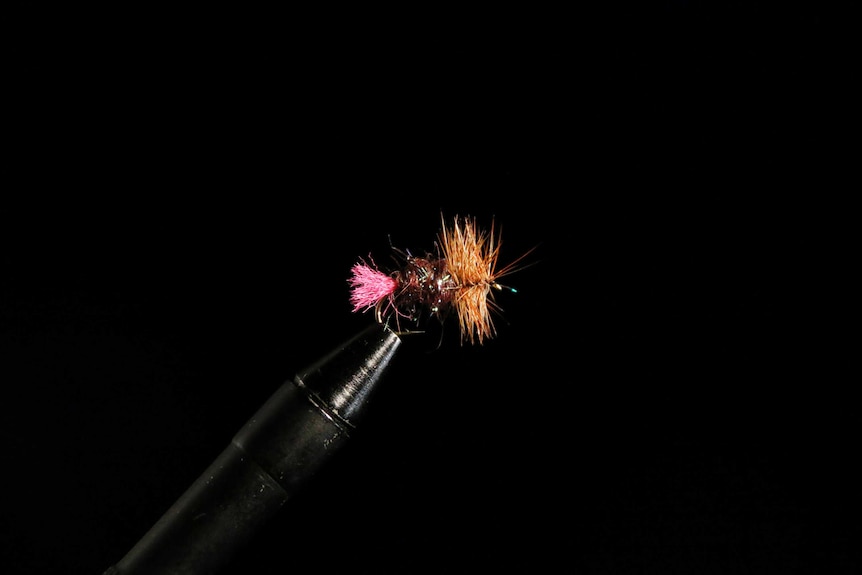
x: 667, y: 391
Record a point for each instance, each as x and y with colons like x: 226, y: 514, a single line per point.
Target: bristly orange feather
x: 471, y: 255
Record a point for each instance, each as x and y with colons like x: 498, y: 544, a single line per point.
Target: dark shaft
x: 278, y: 450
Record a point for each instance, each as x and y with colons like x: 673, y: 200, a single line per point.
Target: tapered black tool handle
x: 278, y: 450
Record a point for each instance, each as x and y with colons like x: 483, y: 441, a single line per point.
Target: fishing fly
x: 460, y: 278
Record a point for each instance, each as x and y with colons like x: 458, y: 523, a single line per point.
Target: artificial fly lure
x: 460, y: 278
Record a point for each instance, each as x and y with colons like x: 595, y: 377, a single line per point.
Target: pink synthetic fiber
x: 369, y: 286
